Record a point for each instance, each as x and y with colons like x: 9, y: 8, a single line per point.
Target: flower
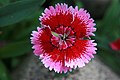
x: 63, y: 42
x: 115, y: 45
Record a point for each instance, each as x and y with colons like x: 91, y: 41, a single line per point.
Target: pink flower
x: 63, y: 43
x: 115, y: 45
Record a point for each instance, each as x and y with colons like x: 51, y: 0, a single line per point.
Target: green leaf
x: 3, y: 72
x: 108, y: 31
x: 55, y: 34
x: 15, y: 49
x: 25, y: 32
x: 4, y: 2
x: 18, y: 11
x: 113, y: 10
x: 111, y: 18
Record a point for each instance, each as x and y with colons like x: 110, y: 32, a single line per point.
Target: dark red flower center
x: 63, y: 37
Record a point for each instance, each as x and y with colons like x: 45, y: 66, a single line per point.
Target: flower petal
x: 60, y: 15
x: 55, y: 65
x: 80, y: 53
x: 41, y: 41
x: 82, y: 24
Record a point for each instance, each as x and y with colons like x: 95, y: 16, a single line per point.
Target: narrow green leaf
x: 18, y: 11
x: 113, y: 10
x: 55, y: 34
x: 15, y: 49
x: 3, y: 72
x: 110, y: 23
x: 111, y: 17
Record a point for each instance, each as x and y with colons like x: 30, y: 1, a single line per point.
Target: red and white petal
x: 41, y: 41
x: 80, y: 53
x: 60, y: 15
x: 55, y: 60
x: 82, y: 24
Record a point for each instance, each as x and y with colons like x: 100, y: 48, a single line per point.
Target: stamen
x: 63, y: 37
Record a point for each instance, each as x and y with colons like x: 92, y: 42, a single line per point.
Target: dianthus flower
x: 63, y: 41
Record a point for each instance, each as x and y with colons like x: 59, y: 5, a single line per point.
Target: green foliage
x: 3, y: 72
x: 4, y: 2
x: 107, y: 31
x: 15, y: 49
x: 18, y: 11
x: 110, y: 23
x: 17, y: 19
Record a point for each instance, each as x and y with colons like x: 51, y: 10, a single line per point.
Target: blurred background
x: 19, y: 17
